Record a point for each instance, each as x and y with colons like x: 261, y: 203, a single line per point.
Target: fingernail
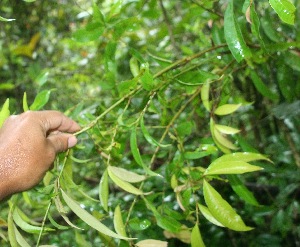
x: 72, y: 141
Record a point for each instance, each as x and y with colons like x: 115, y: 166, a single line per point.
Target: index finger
x: 55, y: 120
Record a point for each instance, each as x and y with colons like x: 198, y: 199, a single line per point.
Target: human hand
x: 29, y: 143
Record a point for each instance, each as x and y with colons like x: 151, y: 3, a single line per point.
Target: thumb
x: 61, y: 142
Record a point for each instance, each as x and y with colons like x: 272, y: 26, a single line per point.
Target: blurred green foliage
x: 159, y: 87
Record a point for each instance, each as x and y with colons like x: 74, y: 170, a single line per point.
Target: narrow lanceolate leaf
x: 227, y: 109
x: 104, y: 190
x: 205, y: 96
x: 196, y: 239
x: 124, y: 185
x: 134, y: 66
x: 152, y: 243
x: 40, y: 100
x: 25, y: 104
x: 285, y: 10
x: 262, y: 88
x: 20, y: 238
x: 125, y: 175
x: 241, y: 156
x: 226, y: 129
x: 11, y: 231
x: 217, y: 136
x: 5, y: 19
x: 26, y: 226
x: 149, y: 138
x: 88, y: 218
x: 241, y: 190
x: 222, y: 140
x: 118, y: 222
x: 231, y: 167
x: 136, y: 153
x: 221, y: 209
x: 4, y: 113
x: 207, y: 214
x: 233, y: 35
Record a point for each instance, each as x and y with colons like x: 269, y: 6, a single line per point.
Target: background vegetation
x: 166, y: 90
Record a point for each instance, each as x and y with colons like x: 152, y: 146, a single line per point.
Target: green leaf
x: 20, y: 239
x: 221, y: 209
x: 233, y: 35
x: 40, y: 100
x: 4, y: 113
x: 136, y: 153
x: 97, y: 14
x: 29, y: 1
x: 241, y: 190
x: 138, y: 224
x: 5, y: 19
x: 241, y: 156
x: 134, y: 66
x: 227, y: 109
x: 146, y: 78
x: 196, y: 239
x: 55, y: 224
x: 285, y: 10
x: 125, y: 175
x: 25, y: 104
x: 262, y: 88
x: 149, y: 138
x: 205, y: 96
x: 197, y: 77
x: 226, y: 129
x: 231, y: 167
x: 26, y: 226
x: 207, y: 214
x: 42, y: 78
x: 88, y: 218
x: 151, y: 243
x: 90, y: 32
x: 118, y: 222
x: 104, y: 190
x: 11, y: 231
x: 79, y: 160
x: 123, y: 184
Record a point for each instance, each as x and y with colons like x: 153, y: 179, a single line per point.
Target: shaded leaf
x: 104, y: 190
x: 88, y: 218
x: 118, y: 222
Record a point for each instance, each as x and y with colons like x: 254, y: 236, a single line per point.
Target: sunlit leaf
x: 233, y: 35
x: 118, y: 222
x: 285, y: 10
x: 88, y: 218
x: 5, y: 19
x: 151, y: 243
x: 207, y: 214
x: 231, y: 167
x: 241, y: 156
x: 226, y: 129
x: 25, y: 104
x: 123, y: 184
x: 196, y: 239
x: 40, y: 100
x: 126, y: 175
x: 42, y: 78
x: 104, y: 190
x: 5, y: 112
x: 227, y: 109
x: 11, y: 231
x: 20, y: 238
x: 221, y: 209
